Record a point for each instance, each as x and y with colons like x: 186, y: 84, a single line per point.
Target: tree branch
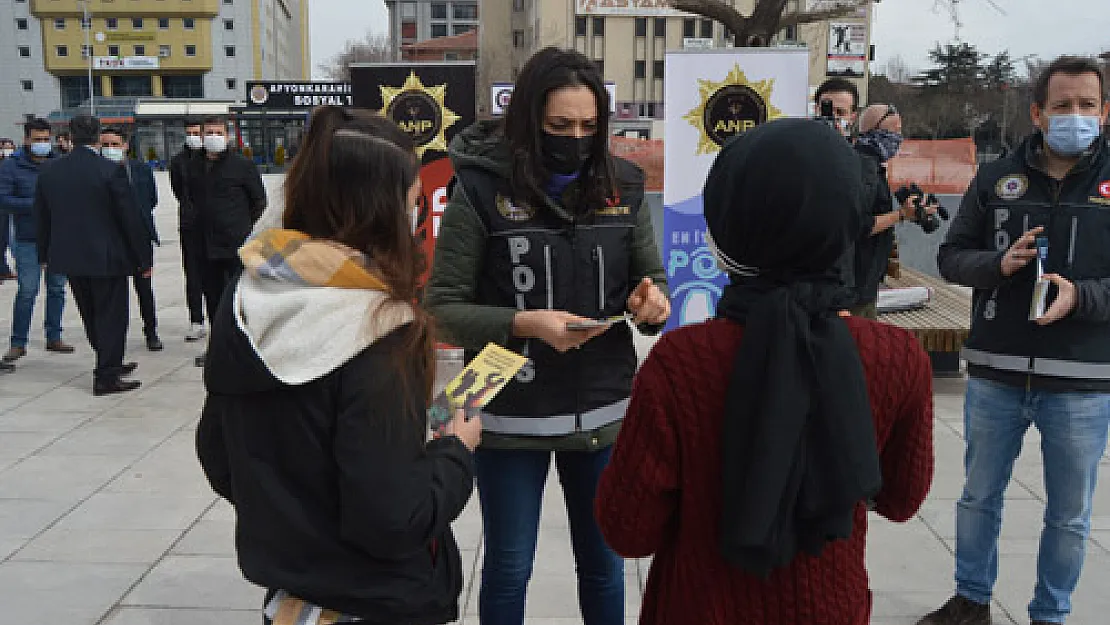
x: 716, y: 10
x: 808, y: 17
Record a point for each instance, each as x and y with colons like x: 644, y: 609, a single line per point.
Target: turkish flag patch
x: 1104, y: 189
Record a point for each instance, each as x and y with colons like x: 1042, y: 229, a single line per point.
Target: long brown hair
x: 349, y: 184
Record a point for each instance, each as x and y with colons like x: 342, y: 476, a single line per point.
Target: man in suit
x: 115, y: 146
x: 191, y: 258
x: 90, y: 230
x: 227, y: 193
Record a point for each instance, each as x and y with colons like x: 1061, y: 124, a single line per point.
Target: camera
x: 827, y: 115
x: 929, y: 223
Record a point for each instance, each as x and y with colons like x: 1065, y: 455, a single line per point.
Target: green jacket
x: 451, y: 292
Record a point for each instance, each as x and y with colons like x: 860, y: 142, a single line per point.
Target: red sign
x: 433, y: 199
x: 1104, y: 189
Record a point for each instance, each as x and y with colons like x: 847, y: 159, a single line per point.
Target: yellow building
x: 187, y: 49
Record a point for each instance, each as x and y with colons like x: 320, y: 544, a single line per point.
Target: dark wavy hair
x: 349, y: 183
x: 548, y: 70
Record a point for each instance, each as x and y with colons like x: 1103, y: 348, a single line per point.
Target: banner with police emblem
x: 712, y: 96
x: 432, y: 102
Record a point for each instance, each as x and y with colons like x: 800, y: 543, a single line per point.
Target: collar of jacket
x: 1033, y: 149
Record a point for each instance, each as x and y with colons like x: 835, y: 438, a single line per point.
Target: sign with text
x: 125, y: 62
x: 432, y: 102
x: 712, y: 96
x: 298, y: 95
x: 661, y: 8
x: 847, y: 49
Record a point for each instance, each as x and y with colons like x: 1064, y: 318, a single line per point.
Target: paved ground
x: 105, y: 517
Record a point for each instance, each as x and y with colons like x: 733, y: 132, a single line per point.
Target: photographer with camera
x: 879, y: 140
x: 837, y: 100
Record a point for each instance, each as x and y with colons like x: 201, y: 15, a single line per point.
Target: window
x: 59, y: 23
x: 459, y: 29
x: 86, y: 23
x: 408, y: 10
x: 660, y: 27
x: 190, y: 50
x: 229, y: 1
x: 599, y: 26
x: 189, y: 23
x: 408, y: 30
x: 450, y: 56
x: 580, y: 26
x: 113, y: 50
x: 140, y: 50
x: 132, y: 86
x: 232, y: 84
x: 111, y: 23
x: 641, y: 69
x: 28, y: 85
x: 464, y: 11
x: 439, y: 30
x: 137, y: 23
x: 21, y: 23
x: 163, y: 23
x: 75, y: 90
x: 657, y: 70
x: 518, y: 38
x: 24, y: 52
x: 61, y: 50
x: 518, y: 5
x: 229, y: 51
x: 439, y: 10
x: 641, y: 27
x: 86, y: 51
x: 182, y: 87
x: 164, y: 51
x: 229, y: 24
x: 707, y: 29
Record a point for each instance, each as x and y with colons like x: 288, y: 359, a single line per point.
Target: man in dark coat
x: 191, y: 257
x: 114, y: 146
x: 226, y: 190
x: 90, y: 230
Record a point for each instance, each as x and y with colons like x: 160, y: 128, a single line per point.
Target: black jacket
x: 872, y: 252
x: 88, y: 224
x: 338, y: 499
x: 145, y: 191
x: 179, y: 178
x: 228, y: 197
x: 1007, y: 198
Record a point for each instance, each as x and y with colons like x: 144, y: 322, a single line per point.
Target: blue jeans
x: 510, y: 489
x: 30, y: 275
x: 5, y: 235
x: 1073, y: 429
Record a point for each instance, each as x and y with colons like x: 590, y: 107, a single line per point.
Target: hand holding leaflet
x: 475, y: 386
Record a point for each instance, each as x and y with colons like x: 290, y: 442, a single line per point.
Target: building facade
x: 629, y: 46
x: 177, y: 49
x: 411, y: 21
x: 462, y: 47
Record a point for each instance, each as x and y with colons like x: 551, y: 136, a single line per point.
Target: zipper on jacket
x: 600, y: 258
x: 1071, y: 243
x: 548, y: 274
x: 574, y: 352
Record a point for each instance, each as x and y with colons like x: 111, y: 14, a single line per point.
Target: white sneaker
x: 196, y: 332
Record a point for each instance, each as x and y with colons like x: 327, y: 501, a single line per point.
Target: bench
x: 942, y: 325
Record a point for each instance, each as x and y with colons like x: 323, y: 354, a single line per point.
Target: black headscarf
x: 784, y: 204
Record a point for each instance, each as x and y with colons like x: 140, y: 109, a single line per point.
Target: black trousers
x: 192, y: 260
x: 215, y: 275
x: 102, y: 302
x: 144, y: 290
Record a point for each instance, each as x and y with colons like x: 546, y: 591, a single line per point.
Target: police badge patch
x: 512, y: 212
x: 1012, y: 187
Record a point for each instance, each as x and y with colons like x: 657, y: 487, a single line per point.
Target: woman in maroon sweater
x: 754, y: 442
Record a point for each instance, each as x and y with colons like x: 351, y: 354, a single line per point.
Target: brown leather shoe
x: 115, y: 386
x: 14, y: 354
x: 59, y: 347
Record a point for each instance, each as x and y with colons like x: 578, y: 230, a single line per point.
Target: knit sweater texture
x: 661, y: 494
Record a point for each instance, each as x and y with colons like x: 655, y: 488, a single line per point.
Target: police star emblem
x: 730, y: 107
x: 420, y: 111
x: 1012, y: 187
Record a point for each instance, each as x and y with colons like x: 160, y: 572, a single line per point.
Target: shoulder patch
x: 1012, y: 187
x: 512, y: 212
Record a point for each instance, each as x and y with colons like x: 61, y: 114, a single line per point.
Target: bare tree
x: 897, y: 71
x: 767, y: 18
x: 374, y: 47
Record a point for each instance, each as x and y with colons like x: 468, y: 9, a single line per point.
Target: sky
x: 904, y: 28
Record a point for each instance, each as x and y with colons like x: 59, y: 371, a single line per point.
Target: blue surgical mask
x: 1072, y: 135
x: 41, y: 149
x: 112, y: 154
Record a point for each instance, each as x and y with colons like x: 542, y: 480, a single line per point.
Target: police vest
x: 537, y: 260
x: 1075, y: 214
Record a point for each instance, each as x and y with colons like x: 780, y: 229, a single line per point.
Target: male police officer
x: 1044, y: 208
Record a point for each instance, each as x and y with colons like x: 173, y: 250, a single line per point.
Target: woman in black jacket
x: 318, y: 375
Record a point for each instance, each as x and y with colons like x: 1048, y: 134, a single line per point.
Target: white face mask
x: 194, y: 142
x: 215, y: 143
x: 7, y: 152
x: 113, y: 154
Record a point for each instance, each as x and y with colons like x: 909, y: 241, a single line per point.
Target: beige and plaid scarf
x: 296, y: 258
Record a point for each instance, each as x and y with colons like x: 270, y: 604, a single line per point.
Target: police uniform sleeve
x: 451, y: 292
x: 1093, y: 300
x: 963, y: 257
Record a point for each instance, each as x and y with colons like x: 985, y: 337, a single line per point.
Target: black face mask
x: 565, y: 155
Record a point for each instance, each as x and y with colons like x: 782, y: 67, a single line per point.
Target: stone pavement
x: 105, y: 517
